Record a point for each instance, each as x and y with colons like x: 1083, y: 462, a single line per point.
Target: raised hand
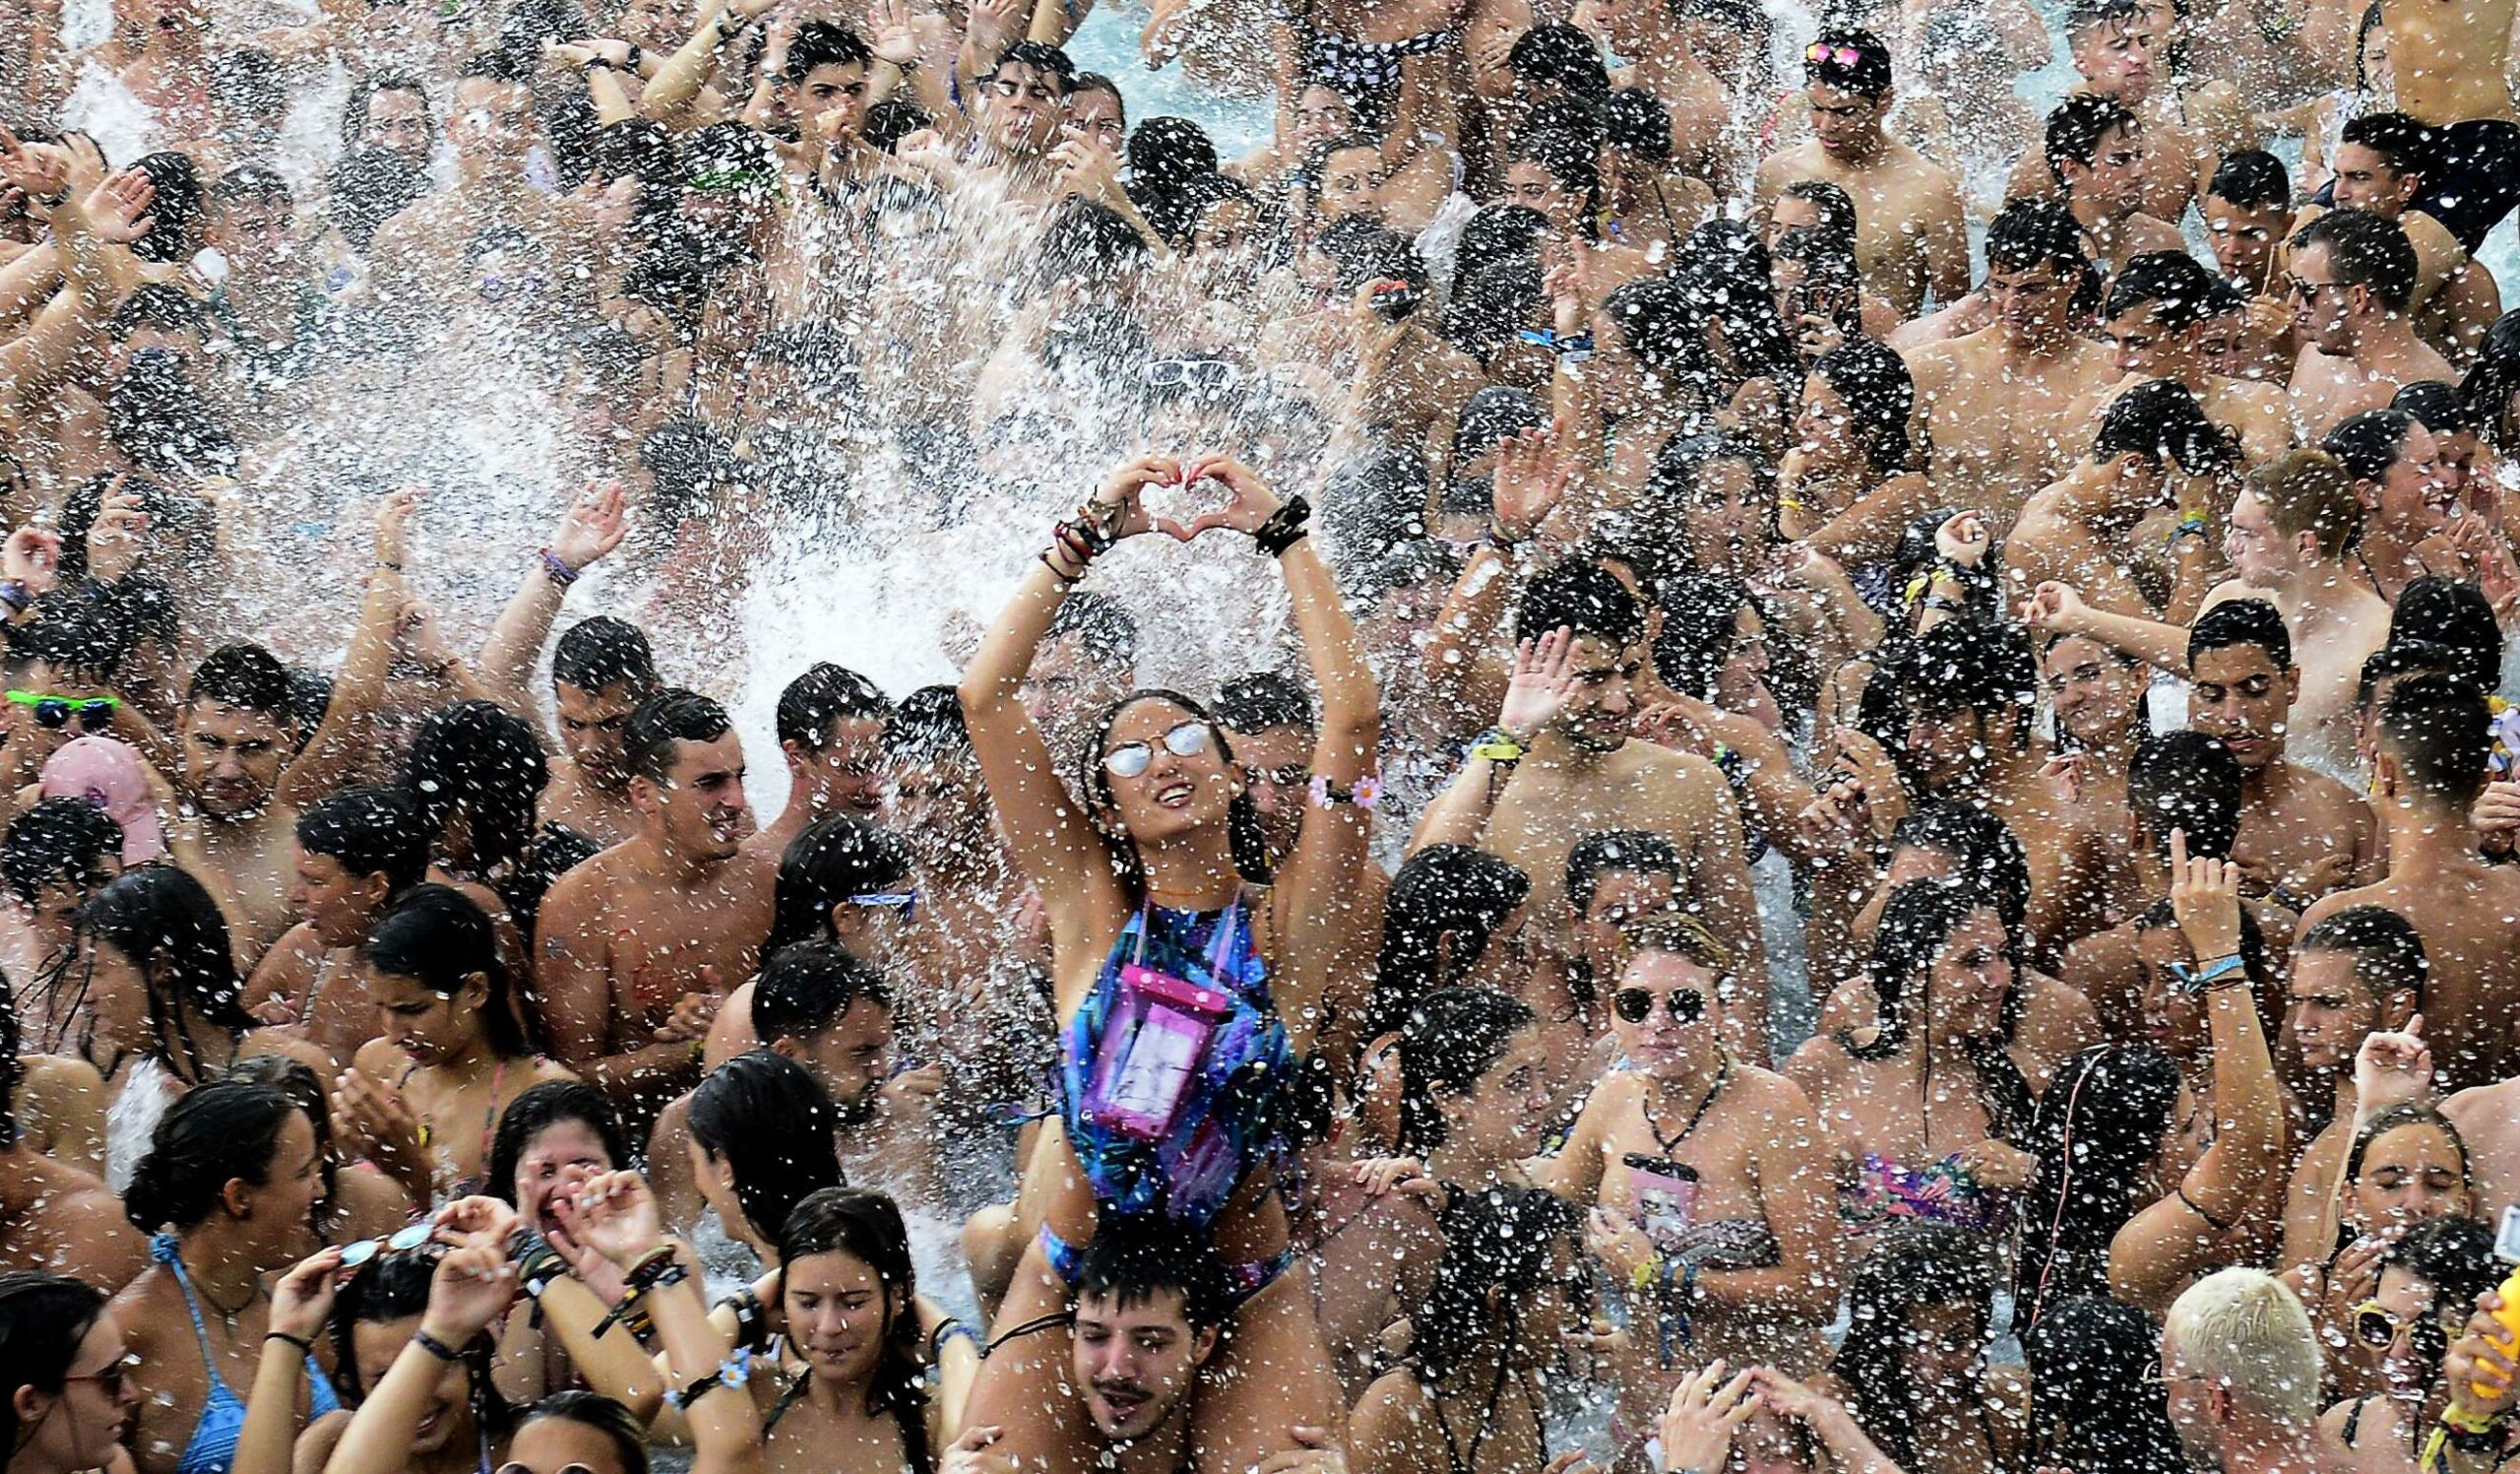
x: 592, y: 527
x: 1403, y: 1175
x: 1683, y: 725
x: 1705, y: 1409
x: 39, y: 171
x: 2496, y: 811
x: 32, y: 557
x: 1530, y: 477
x: 1249, y: 501
x: 2205, y: 900
x: 1117, y: 507
x: 473, y: 1286
x: 2480, y: 1365
x: 302, y: 1298
x: 1541, y: 686
x: 892, y: 36
x: 689, y: 1021
x: 2393, y: 1066
x: 615, y: 1215
x: 119, y: 536
x: 2053, y: 608
x: 117, y: 210
x: 1964, y: 540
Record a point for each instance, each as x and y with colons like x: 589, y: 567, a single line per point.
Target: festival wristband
x: 2210, y: 974
x: 1497, y: 745
x: 1364, y: 793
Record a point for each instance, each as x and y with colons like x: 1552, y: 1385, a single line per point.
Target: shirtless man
x: 2379, y: 165
x: 1997, y: 404
x: 1647, y: 35
x: 1762, y: 1244
x: 2154, y: 316
x: 1911, y: 228
x: 2451, y: 59
x: 637, y: 946
x: 831, y: 729
x: 2489, y: 1117
x: 2425, y: 777
x: 2117, y: 50
x: 357, y: 849
x: 2358, y: 972
x: 1560, y: 765
x: 236, y: 730
x: 2094, y: 148
x: 2407, y: 500
x: 600, y: 668
x: 2154, y: 449
x: 52, y: 1215
x: 2248, y: 208
x: 2350, y: 282
x: 1020, y: 118
x: 2303, y: 833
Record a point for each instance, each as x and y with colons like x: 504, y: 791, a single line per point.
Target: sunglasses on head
x: 1819, y: 54
x: 1131, y: 760
x: 92, y: 713
x: 1636, y: 1004
x: 402, y: 1241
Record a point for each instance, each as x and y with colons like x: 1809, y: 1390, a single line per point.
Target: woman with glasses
x: 2408, y: 1167
x: 228, y: 1190
x: 423, y: 1100
x: 1926, y: 1108
x: 2428, y: 1287
x: 1162, y: 914
x: 64, y: 1363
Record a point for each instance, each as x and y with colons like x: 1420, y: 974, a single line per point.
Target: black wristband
x: 435, y: 1346
x: 1284, y: 527
x: 304, y: 1346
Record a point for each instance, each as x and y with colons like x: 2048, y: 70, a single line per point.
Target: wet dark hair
x: 1453, y: 1036
x: 541, y: 1108
x: 1869, y: 74
x: 2240, y: 622
x: 2162, y: 422
x: 1501, y: 1250
x: 243, y: 675
x: 2028, y: 234
x: 477, y: 758
x: 367, y: 829
x: 1917, y: 923
x: 807, y: 986
x: 395, y: 1286
x: 2387, y: 951
x: 1493, y: 416
x: 832, y: 859
x: 2435, y: 728
x: 223, y: 1132
x: 67, y: 840
x: 1082, y: 241
x: 436, y: 937
x: 2075, y: 128
x: 1571, y: 158
x: 1264, y: 699
x: 1729, y: 281
x: 2178, y: 286
x: 2455, y: 614
x: 1245, y: 839
x: 175, y: 210
x: 1701, y: 620
x: 2436, y: 406
x: 2097, y: 1135
x: 1498, y: 232
x: 619, y: 1425
x: 369, y: 186
x: 823, y: 43
x: 1454, y: 891
x: 2093, y: 1403
x: 1048, y: 60
x: 1913, y: 1266
x: 602, y: 651
x: 1961, y: 664
x: 867, y: 1227
x: 2252, y: 179
x: 1880, y: 395
x: 2185, y: 781
x: 251, y: 184
x: 172, y: 932
x: 2492, y: 380
x: 1556, y: 54
x: 1582, y: 596
x: 1101, y: 626
x: 155, y: 416
x: 43, y: 1319
x: 2366, y: 251
x: 2455, y: 1255
x: 1134, y: 1258
x: 2407, y: 144
x: 1635, y: 121
x: 928, y: 725
x: 827, y: 694
x: 296, y: 1079
x: 772, y: 1121
x: 664, y: 719
x: 1663, y: 327
x: 2369, y: 443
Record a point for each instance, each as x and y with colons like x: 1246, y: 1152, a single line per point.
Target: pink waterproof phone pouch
x: 1151, y: 1045
x: 1666, y: 1198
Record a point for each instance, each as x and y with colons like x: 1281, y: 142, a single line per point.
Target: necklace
x: 228, y: 1317
x: 1671, y: 1143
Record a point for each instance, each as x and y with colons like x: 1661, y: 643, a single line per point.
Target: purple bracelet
x: 560, y: 569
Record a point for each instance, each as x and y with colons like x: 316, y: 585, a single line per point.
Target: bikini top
x: 1173, y: 1075
x: 1366, y: 73
x: 212, y: 1447
x: 1941, y: 1191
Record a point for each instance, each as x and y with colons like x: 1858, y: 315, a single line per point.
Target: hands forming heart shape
x: 1249, y: 500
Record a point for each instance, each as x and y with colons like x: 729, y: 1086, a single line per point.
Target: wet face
x: 1729, y: 514
x: 1679, y: 1031
x: 2259, y: 552
x: 852, y: 1059
x: 2408, y: 1363
x: 2144, y: 345
x: 550, y: 1152
x: 283, y: 1206
x: 1177, y: 792
x: 838, y: 1311
x: 1596, y: 718
x: 2411, y: 1173
x: 2364, y: 180
x: 2332, y: 1010
x: 1938, y: 1348
x: 1824, y: 428
x: 1094, y: 117
x: 256, y: 235
x: 1847, y: 124
x: 2117, y: 59
x: 941, y: 807
x: 119, y: 992
x: 2174, y: 1016
x: 1026, y: 109
x: 378, y: 1344
x: 700, y: 806
x: 1278, y: 765
x: 51, y: 922
x: 2243, y: 238
x: 2192, y: 1399
x: 2096, y: 693
x: 232, y: 757
x: 1972, y: 977
x: 2323, y: 310
x: 339, y: 905
x: 2414, y: 498
x: 1500, y: 1118
x: 1320, y: 116
x: 2113, y: 181
x: 493, y: 121
x: 1618, y: 898
x: 1534, y: 187
x: 2242, y: 699
x: 552, y: 1445
x: 429, y: 1027
x: 87, y: 1423
x: 831, y: 101
x: 1741, y: 681
x: 2038, y: 302
x: 1946, y: 749
x: 1068, y: 684
x: 591, y: 723
x: 1136, y: 1363
x: 847, y: 773
x: 1788, y: 213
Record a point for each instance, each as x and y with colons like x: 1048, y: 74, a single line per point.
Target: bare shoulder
x: 1817, y: 1064
x: 2482, y: 1109
x: 55, y: 1078
x: 379, y: 1059
x: 1770, y: 1093
x: 273, y: 1042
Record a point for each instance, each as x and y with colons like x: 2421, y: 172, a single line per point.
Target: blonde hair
x: 2309, y: 491
x: 2242, y: 1329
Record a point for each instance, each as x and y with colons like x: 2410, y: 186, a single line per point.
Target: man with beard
x: 1560, y: 765
x: 637, y: 947
x: 238, y: 730
x: 832, y: 1013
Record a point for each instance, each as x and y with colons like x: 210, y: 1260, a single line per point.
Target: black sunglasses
x: 1636, y: 1004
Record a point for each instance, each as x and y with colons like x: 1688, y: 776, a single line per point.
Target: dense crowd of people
x: 1631, y: 605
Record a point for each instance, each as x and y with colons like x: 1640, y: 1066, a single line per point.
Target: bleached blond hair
x: 2242, y: 1329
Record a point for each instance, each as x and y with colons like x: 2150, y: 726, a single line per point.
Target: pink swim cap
x: 108, y: 774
